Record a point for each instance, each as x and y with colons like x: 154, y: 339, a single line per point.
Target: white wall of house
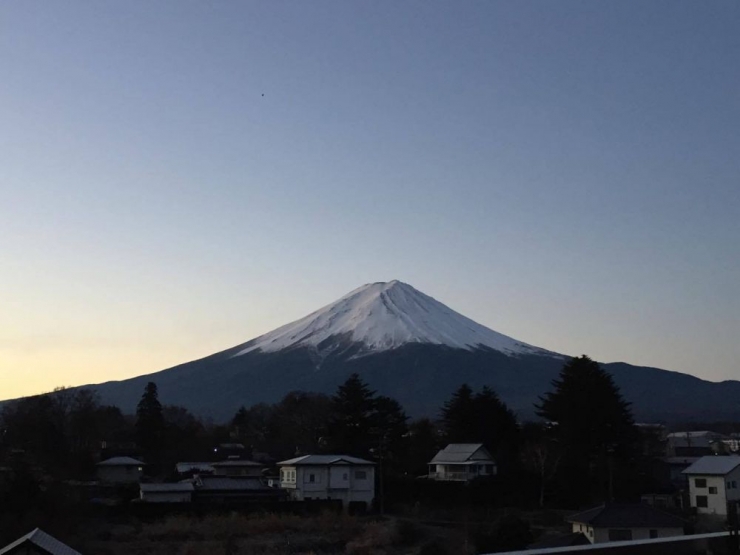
x: 718, y: 491
x: 119, y: 474
x: 602, y: 535
x: 340, y: 481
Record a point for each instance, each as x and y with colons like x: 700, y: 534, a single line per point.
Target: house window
x: 732, y: 484
x: 312, y: 478
x: 591, y: 532
x: 712, y: 489
x: 619, y: 535
x: 701, y: 501
x: 700, y: 482
x: 360, y: 475
x: 653, y: 534
x: 345, y: 476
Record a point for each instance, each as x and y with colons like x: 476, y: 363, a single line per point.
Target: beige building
x: 349, y: 479
x: 713, y: 481
x: 624, y: 522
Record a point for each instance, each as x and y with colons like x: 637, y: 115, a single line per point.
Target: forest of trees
x: 584, y: 448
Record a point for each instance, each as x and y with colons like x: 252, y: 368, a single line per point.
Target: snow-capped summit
x: 382, y: 316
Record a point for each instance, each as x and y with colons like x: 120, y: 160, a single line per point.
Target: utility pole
x: 732, y: 521
x: 379, y: 454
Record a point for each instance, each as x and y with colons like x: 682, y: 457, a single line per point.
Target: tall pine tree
x: 458, y: 416
x: 595, y: 429
x: 482, y: 418
x: 150, y: 423
x: 352, y: 414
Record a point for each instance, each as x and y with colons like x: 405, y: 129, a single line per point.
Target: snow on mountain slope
x: 383, y: 316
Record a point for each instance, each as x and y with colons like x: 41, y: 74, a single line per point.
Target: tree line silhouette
x: 585, y: 448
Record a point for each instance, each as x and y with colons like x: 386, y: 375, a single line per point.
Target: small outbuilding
x: 230, y: 489
x: 120, y: 470
x: 180, y: 492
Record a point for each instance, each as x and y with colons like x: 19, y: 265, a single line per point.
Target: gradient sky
x: 178, y: 177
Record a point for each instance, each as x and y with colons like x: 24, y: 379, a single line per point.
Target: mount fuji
x: 409, y: 346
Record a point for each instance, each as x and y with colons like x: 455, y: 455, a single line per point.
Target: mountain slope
x: 411, y: 347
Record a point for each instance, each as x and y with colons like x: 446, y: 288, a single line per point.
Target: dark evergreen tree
x: 594, y: 426
x: 425, y: 439
x: 150, y: 423
x: 388, y: 433
x: 351, y: 421
x: 299, y: 423
x: 458, y: 416
x: 496, y: 427
x: 482, y: 418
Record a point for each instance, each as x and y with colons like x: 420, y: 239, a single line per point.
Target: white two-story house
x: 349, y: 479
x: 713, y: 481
x: 461, y: 462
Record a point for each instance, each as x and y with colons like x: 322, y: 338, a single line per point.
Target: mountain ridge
x: 420, y: 361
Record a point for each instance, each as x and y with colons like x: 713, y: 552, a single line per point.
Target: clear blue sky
x: 177, y: 177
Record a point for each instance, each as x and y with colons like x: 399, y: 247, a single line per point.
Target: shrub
x: 509, y: 533
x: 407, y: 533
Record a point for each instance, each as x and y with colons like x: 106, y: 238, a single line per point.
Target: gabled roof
x: 459, y: 453
x: 618, y: 515
x: 717, y: 465
x: 42, y: 541
x: 121, y: 461
x: 324, y: 460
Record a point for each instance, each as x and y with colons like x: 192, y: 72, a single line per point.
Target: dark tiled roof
x: 617, y: 515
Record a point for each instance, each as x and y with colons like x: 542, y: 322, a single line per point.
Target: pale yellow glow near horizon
x: 25, y: 372
x: 43, y: 371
